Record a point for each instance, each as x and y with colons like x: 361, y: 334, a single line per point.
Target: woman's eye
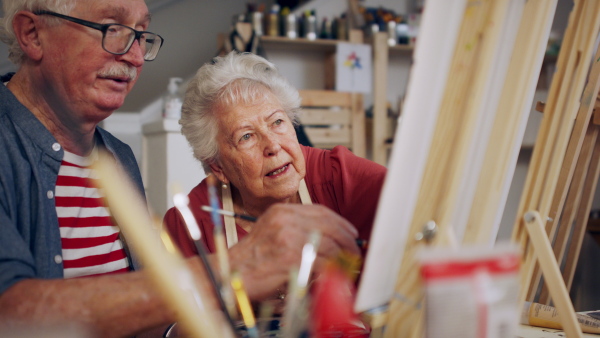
x: 245, y: 137
x: 278, y: 122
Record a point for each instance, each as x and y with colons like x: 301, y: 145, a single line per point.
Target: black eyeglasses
x: 116, y: 38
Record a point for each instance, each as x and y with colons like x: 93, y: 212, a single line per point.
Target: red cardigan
x: 338, y: 179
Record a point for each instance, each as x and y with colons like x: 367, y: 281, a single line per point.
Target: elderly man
x: 77, y: 62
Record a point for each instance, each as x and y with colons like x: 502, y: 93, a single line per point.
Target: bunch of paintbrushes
x: 296, y: 320
x: 221, y: 245
x: 231, y: 283
x: 222, y: 290
x: 159, y: 256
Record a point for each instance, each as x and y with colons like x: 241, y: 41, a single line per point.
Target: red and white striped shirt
x: 90, y: 239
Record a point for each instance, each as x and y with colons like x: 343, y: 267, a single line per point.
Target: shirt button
x: 56, y: 147
x: 50, y: 194
x: 58, y: 259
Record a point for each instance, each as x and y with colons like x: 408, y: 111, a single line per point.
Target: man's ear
x: 218, y: 171
x: 25, y: 26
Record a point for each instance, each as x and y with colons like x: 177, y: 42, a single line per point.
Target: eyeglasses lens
x: 118, y: 39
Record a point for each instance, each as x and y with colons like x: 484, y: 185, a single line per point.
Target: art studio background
x: 165, y: 157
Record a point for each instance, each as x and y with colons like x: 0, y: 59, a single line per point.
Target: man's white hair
x: 12, y: 7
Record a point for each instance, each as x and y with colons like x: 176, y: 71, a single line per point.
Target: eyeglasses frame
x: 103, y: 28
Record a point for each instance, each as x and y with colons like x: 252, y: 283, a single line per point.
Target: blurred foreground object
x: 333, y: 300
x: 474, y: 285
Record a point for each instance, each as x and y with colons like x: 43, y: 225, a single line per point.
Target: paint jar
x: 257, y: 23
x: 403, y: 33
x: 326, y: 29
x: 291, y: 26
x: 391, y: 30
x: 273, y: 21
x: 310, y: 26
x: 341, y: 28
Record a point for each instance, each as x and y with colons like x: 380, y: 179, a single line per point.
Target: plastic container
x: 172, y: 101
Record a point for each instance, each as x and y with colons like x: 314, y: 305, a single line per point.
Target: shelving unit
x: 353, y: 103
x: 381, y: 54
x: 329, y: 49
x: 379, y: 134
x: 280, y: 42
x: 303, y: 45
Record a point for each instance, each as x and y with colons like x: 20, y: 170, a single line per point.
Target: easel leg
x: 552, y: 275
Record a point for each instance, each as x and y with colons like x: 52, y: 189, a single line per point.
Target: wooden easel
x: 557, y: 151
x: 577, y: 183
x: 568, y: 197
x: 439, y: 197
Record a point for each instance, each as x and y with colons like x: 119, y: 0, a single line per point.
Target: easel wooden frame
x: 438, y: 197
x: 575, y: 186
x: 509, y: 127
x: 404, y: 319
x: 549, y: 156
x: 583, y: 215
x: 571, y: 167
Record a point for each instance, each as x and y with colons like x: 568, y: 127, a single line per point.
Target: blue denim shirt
x: 30, y: 157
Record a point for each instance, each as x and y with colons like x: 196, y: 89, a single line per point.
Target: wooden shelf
x: 326, y: 45
x: 381, y: 51
x: 284, y: 43
x: 381, y: 54
x: 401, y: 49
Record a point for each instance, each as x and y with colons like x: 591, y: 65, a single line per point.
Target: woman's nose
x: 272, y: 145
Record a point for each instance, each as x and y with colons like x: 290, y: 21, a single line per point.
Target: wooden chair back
x: 332, y: 118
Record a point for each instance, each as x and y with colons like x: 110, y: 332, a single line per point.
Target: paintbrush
x: 229, y: 213
x: 221, y: 245
x: 362, y: 243
x: 244, y: 305
x: 181, y: 203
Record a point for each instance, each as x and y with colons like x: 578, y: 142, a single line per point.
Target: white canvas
x: 437, y: 35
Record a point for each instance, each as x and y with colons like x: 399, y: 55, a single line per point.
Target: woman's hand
x: 265, y: 256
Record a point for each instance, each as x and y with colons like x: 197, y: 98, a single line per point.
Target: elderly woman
x: 238, y: 116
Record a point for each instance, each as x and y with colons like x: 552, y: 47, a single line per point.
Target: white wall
x: 190, y: 29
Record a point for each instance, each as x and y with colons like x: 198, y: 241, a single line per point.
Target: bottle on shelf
x: 326, y: 30
x: 310, y: 25
x: 291, y: 26
x: 403, y: 33
x: 340, y: 28
x: 273, y: 21
x: 172, y: 101
x: 391, y: 30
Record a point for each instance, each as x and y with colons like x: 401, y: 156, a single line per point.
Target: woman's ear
x: 217, y: 170
x: 26, y: 28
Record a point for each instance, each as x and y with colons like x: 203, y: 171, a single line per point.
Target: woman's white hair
x: 12, y: 7
x: 225, y: 82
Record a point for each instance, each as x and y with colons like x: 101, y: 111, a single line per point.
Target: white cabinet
x: 168, y: 164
